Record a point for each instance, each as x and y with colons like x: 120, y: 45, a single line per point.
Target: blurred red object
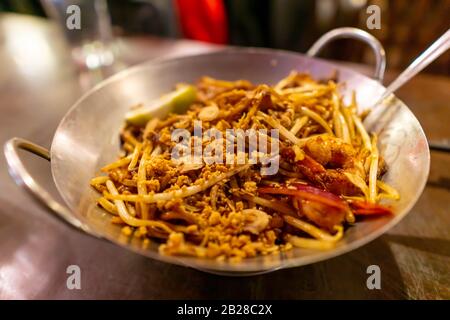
x: 203, y: 20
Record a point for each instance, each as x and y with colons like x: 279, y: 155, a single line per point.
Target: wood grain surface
x: 38, y: 83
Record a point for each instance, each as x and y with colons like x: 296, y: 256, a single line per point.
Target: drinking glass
x: 86, y: 25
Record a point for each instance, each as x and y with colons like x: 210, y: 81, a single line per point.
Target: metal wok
x: 87, y: 137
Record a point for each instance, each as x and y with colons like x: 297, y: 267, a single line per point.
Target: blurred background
x: 407, y: 27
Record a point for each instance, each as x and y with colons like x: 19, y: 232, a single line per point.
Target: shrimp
x: 331, y: 152
x: 322, y: 215
x: 325, y: 161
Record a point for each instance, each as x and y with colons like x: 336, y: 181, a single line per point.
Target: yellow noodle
x: 135, y: 157
x: 128, y: 137
x: 307, y: 243
x: 344, y: 128
x: 359, y: 182
x: 119, y: 163
x: 316, y: 117
x: 373, y: 171
x: 364, y: 135
x: 141, y: 186
x: 129, y: 219
x: 298, y: 125
x: 150, y: 126
x: 390, y: 191
x: 99, y: 180
x: 349, y: 120
x: 283, y: 131
x: 108, y: 206
x: 313, y: 230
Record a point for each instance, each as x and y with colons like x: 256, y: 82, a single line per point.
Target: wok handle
x: 358, y: 34
x: 23, y: 178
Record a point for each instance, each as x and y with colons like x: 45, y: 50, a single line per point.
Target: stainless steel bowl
x: 87, y: 137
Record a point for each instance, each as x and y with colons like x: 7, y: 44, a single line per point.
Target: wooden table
x: 38, y: 84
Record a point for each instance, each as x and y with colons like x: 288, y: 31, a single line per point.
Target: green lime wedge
x: 177, y: 102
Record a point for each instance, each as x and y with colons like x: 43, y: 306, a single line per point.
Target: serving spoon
x: 441, y: 45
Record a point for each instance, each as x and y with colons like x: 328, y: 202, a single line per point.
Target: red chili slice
x: 308, y: 193
x: 367, y: 208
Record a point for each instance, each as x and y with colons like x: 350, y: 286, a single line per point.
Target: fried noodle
x: 330, y: 174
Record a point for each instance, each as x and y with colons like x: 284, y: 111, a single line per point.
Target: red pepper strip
x: 366, y: 208
x: 309, y: 193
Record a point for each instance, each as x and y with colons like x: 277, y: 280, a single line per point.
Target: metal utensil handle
x: 23, y: 178
x: 441, y: 45
x: 358, y: 34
